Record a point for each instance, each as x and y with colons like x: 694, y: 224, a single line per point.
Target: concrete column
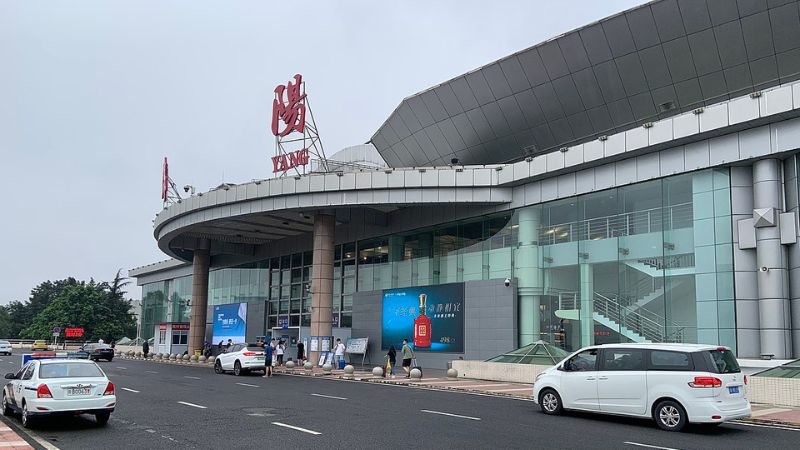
x: 587, y: 304
x: 197, y: 316
x: 773, y: 283
x: 529, y: 275
x: 791, y: 180
x: 322, y: 278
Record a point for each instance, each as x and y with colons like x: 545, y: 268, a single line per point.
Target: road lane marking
x: 192, y: 404
x: 151, y: 371
x: 193, y: 378
x: 330, y: 396
x: 448, y: 414
x: 122, y: 368
x: 11, y: 362
x: 130, y: 390
x: 649, y: 446
x: 150, y: 430
x: 315, y: 433
x: 248, y: 385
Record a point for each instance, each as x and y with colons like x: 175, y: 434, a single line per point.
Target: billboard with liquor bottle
x: 430, y: 317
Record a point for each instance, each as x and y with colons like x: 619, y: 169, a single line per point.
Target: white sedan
x: 54, y: 387
x: 241, y: 358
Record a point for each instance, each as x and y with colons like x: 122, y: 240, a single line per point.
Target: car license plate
x: 733, y: 389
x: 79, y: 391
x: 259, y: 358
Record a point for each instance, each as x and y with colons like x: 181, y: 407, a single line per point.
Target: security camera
x: 186, y: 188
x: 764, y: 269
x: 507, y: 282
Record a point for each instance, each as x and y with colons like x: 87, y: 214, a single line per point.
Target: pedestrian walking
x: 392, y: 357
x: 338, y: 354
x: 408, y: 355
x: 279, y: 350
x: 267, y: 361
x: 145, y: 348
x: 219, y: 346
x: 301, y: 353
x: 228, y: 346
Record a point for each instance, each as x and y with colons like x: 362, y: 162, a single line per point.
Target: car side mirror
x: 567, y: 367
x: 11, y: 376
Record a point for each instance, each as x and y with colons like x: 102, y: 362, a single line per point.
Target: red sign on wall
x: 180, y: 327
x: 74, y: 332
x: 282, y: 163
x: 291, y: 111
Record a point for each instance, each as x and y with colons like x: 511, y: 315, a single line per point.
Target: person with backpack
x: 408, y: 355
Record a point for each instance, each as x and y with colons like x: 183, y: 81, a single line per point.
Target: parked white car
x: 674, y: 384
x: 5, y: 348
x: 54, y: 387
x: 241, y: 358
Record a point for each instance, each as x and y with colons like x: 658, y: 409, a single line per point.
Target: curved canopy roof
x: 652, y: 61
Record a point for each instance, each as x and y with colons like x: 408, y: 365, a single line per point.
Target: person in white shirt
x: 279, y: 350
x: 338, y: 353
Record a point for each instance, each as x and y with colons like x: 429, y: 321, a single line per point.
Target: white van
x: 675, y: 384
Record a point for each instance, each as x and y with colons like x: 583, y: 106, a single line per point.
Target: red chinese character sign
x: 297, y: 142
x: 74, y: 332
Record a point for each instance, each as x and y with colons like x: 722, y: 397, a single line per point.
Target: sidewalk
x: 10, y: 439
x: 770, y: 414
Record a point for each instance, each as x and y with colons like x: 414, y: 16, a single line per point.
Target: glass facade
x: 649, y: 262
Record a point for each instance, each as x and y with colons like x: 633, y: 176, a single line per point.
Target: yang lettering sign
x: 289, y: 109
x: 74, y: 332
x: 284, y: 162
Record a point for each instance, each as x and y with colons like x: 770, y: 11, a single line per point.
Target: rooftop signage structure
x: 296, y: 139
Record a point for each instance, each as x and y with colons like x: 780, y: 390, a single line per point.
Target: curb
x: 791, y: 425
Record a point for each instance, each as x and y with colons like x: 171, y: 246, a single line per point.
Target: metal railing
x: 626, y: 224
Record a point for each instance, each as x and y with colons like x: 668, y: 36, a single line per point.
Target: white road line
x: 11, y: 362
x: 330, y: 396
x: 192, y: 404
x: 151, y: 371
x: 315, y: 433
x: 758, y: 425
x: 130, y: 390
x: 448, y: 414
x: 193, y: 378
x: 150, y: 430
x: 248, y: 385
x: 649, y: 446
x: 122, y: 368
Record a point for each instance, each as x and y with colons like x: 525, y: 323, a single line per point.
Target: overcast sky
x: 94, y: 94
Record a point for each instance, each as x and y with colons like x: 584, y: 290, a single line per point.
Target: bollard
x: 202, y: 358
x: 327, y: 368
x: 377, y: 372
x: 212, y: 358
x: 308, y: 366
x: 290, y: 364
x: 452, y: 374
x: 348, y: 372
x: 173, y: 357
x: 185, y: 357
x: 159, y: 356
x: 193, y: 358
x: 138, y: 354
x: 416, y: 374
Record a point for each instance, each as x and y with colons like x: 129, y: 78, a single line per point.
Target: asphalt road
x: 174, y: 406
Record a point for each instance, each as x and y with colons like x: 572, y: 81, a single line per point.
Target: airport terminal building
x: 635, y: 180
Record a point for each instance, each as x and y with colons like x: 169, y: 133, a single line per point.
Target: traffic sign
x: 56, y: 331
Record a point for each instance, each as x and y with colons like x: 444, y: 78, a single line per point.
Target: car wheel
x: 218, y: 367
x: 26, y: 419
x: 109, y: 359
x: 669, y: 415
x: 237, y: 369
x: 7, y: 411
x: 102, y: 418
x: 550, y: 402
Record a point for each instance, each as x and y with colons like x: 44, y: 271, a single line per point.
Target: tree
x: 89, y: 306
x: 21, y: 314
x: 5, y: 322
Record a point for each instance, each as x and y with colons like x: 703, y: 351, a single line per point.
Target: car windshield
x: 724, y: 361
x: 69, y: 370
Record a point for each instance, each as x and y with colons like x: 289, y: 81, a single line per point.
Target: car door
x: 229, y: 357
x: 13, y: 389
x: 24, y: 384
x: 622, y: 381
x: 579, y: 381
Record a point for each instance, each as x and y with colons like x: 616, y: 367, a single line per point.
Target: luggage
x: 415, y: 365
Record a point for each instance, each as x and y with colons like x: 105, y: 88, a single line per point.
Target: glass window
x: 28, y: 372
x: 582, y: 362
x: 623, y: 359
x: 725, y: 361
x: 664, y: 360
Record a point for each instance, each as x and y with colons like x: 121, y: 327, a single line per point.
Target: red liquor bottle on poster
x: 422, y: 325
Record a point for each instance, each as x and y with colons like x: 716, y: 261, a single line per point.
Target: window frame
x: 653, y: 367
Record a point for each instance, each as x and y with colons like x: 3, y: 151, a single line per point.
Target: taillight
x: 745, y: 379
x: 252, y: 353
x: 109, y: 389
x: 97, y: 350
x: 706, y: 382
x: 43, y: 391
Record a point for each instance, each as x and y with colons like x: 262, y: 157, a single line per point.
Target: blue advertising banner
x: 430, y: 317
x: 230, y: 322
